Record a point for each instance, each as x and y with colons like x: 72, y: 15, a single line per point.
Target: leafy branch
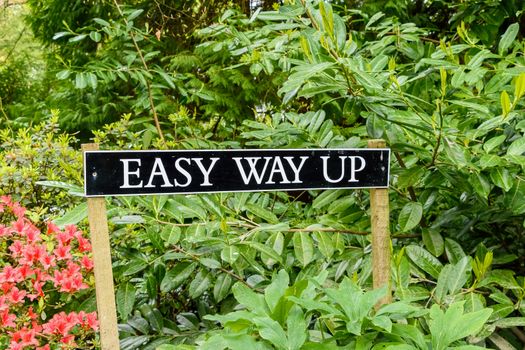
x: 148, y: 84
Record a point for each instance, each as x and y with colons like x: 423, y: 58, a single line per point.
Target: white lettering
x: 295, y: 169
x: 252, y: 163
x: 325, y: 169
x: 127, y: 173
x: 158, y: 170
x: 205, y: 172
x: 353, y: 169
x: 183, y: 171
x: 277, y: 167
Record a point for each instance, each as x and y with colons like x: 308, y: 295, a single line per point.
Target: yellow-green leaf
x: 519, y: 89
x: 505, y: 103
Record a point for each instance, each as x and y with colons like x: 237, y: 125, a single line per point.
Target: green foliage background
x: 442, y: 82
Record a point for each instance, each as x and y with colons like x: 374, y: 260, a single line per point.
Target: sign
x: 113, y: 173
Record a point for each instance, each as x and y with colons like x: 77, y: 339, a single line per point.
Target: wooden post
x: 105, y: 291
x: 380, y: 235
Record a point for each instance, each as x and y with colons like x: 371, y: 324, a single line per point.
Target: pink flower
x: 32, y: 233
x: 15, y: 346
x: 3, y: 304
x: 16, y: 295
x: 18, y: 210
x: 47, y: 261
x: 10, y: 274
x: 52, y: 228
x: 6, y: 200
x: 24, y: 337
x: 16, y: 248
x: 7, y: 319
x: 83, y: 244
x: 60, y: 324
x: 4, y: 230
x: 70, y: 279
x: 25, y: 271
x: 19, y: 226
x: 6, y: 287
x: 62, y: 252
x: 92, y: 321
x: 24, y: 276
x: 33, y: 253
x: 72, y: 231
x: 86, y: 262
x: 31, y: 314
x: 64, y: 238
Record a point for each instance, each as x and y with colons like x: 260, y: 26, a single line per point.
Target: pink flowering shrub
x: 39, y: 272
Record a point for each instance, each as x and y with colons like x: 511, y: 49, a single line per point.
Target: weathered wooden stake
x: 105, y: 291
x: 380, y: 235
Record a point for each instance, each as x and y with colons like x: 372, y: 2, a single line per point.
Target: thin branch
x: 198, y: 258
x: 410, y: 189
x: 2, y: 110
x: 148, y: 85
x: 14, y: 45
x: 294, y: 230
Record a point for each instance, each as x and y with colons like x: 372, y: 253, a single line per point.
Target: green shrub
x: 34, y: 154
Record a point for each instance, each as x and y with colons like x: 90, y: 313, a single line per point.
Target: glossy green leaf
x: 510, y: 322
x: 325, y: 243
x: 296, y: 328
x: 95, y: 36
x: 326, y: 198
x: 410, y: 216
x: 303, y: 248
x: 222, y: 287
x: 409, y: 177
x: 77, y: 38
x: 276, y: 242
x: 134, y: 266
x: 517, y: 147
x: 272, y: 331
x: 251, y: 300
x: 125, y: 299
x: 453, y: 250
x: 459, y: 275
x: 210, y: 263
x: 135, y: 14
x: 508, y: 38
x: 275, y: 291
x: 433, y: 241
x: 515, y: 198
x: 424, y: 260
x: 230, y: 254
x: 441, y: 289
x: 201, y: 282
x: 73, y: 216
x: 501, y: 178
x: 494, y: 142
x: 176, y: 276
x: 264, y: 250
x: 170, y: 234
x: 262, y: 213
x: 480, y: 184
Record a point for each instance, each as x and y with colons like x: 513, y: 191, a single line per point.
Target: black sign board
x: 114, y: 173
